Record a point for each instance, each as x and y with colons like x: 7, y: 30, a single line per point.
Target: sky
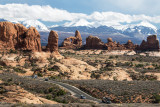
x: 81, y: 12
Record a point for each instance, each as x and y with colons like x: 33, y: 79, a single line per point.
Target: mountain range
x: 121, y: 33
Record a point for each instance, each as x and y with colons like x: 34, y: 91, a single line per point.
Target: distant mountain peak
x: 81, y: 22
x: 35, y: 23
x: 147, y: 24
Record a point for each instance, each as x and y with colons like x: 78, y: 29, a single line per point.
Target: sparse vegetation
x: 19, y: 70
x: 120, y: 91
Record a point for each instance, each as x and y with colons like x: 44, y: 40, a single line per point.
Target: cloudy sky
x: 81, y: 12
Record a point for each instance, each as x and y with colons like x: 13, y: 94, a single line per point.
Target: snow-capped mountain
x: 35, y: 23
x: 122, y: 32
x: 137, y: 31
x: 28, y: 23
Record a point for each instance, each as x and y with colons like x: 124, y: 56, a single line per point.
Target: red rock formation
x: 32, y: 40
x: 73, y: 42
x: 130, y: 46
x: 151, y: 44
x: 52, y: 45
x: 93, y: 42
x: 16, y: 36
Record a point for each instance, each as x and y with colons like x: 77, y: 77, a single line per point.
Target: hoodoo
x: 152, y: 44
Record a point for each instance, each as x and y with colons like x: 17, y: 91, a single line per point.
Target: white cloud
x: 23, y: 12
x: 46, y: 13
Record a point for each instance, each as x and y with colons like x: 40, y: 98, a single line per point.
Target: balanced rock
x: 73, y: 42
x: 17, y: 36
x: 109, y: 40
x: 152, y: 44
x: 93, y: 42
x: 52, y: 45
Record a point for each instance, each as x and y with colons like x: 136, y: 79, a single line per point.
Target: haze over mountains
x: 135, y: 31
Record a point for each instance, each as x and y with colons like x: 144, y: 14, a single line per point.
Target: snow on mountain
x: 28, y: 23
x: 35, y: 23
x: 133, y: 26
x: 81, y: 22
x: 147, y: 24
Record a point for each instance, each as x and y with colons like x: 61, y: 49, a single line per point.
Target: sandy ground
x: 16, y: 94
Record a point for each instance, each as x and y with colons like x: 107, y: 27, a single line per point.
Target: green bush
x: 40, y: 74
x: 1, y: 68
x: 139, y: 65
x: 95, y: 75
x: 111, y: 57
x: 26, y: 65
x: 156, y: 98
x: 19, y: 70
x: 61, y: 92
x: 49, y: 97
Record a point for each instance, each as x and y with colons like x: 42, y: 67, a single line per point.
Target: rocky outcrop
x: 152, y: 44
x: 73, y: 42
x: 129, y: 45
x: 32, y: 40
x: 17, y: 36
x: 93, y: 42
x: 52, y: 45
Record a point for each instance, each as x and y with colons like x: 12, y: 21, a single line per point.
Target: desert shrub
x: 60, y: 100
x: 156, y: 98
x: 49, y: 97
x: 115, y: 78
x: 19, y: 70
x: 109, y: 63
x: 139, y: 65
x: 17, y: 58
x: 61, y: 92
x: 1, y: 68
x: 111, y: 57
x: 95, y: 75
x: 139, y: 76
x: 106, y: 69
x: 33, y: 85
x: 38, y: 69
x: 13, y: 51
x: 54, y: 68
x: 119, y: 91
x: 56, y: 77
x: 40, y: 74
x: 127, y: 64
x: 156, y: 66
x: 2, y: 90
x: 26, y: 65
x: 116, y: 56
x: 33, y: 64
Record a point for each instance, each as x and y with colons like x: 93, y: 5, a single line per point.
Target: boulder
x: 93, y: 42
x: 152, y: 44
x: 73, y: 42
x: 109, y: 40
x: 17, y: 36
x: 52, y: 45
